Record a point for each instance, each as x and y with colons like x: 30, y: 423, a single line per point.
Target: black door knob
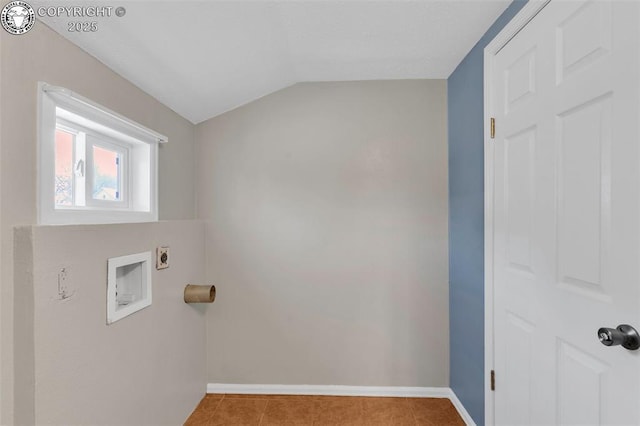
x: 624, y: 335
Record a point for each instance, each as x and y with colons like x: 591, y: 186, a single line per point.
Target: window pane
x: 106, y: 176
x: 64, y: 168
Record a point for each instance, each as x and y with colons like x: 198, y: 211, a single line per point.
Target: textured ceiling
x: 204, y: 58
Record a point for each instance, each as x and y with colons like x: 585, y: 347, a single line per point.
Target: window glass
x: 106, y: 174
x: 64, y: 168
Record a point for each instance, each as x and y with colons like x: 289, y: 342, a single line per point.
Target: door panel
x: 566, y: 216
x: 584, y: 37
x: 584, y: 207
x: 520, y: 80
x: 578, y: 370
x: 518, y: 391
x: 520, y: 181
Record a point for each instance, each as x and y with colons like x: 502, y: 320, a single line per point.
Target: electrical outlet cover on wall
x: 162, y: 257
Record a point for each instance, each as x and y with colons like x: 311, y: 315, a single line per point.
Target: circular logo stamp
x: 17, y: 17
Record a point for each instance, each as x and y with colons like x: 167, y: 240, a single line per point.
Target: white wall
x: 326, y: 231
x: 43, y: 55
x: 145, y: 369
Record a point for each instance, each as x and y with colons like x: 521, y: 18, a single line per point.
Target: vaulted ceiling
x: 202, y: 58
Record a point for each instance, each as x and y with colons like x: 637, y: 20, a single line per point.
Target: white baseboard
x: 461, y: 410
x: 339, y: 390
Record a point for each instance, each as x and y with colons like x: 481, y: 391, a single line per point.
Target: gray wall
x: 42, y: 54
x: 466, y: 222
x: 145, y: 369
x: 326, y: 231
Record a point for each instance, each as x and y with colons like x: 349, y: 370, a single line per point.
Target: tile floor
x: 281, y: 410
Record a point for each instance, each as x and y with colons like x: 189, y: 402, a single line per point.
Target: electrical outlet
x: 162, y: 257
x: 64, y: 292
x: 62, y: 283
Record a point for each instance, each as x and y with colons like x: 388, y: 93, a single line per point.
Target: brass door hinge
x: 493, y: 380
x: 493, y: 128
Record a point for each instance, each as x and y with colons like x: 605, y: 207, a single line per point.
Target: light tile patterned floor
x: 282, y: 410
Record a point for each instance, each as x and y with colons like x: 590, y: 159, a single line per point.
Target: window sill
x: 88, y: 217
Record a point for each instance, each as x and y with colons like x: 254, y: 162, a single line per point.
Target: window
x: 95, y: 165
x: 89, y: 170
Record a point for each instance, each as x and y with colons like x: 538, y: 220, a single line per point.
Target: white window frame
x: 87, y: 139
x: 138, y: 145
x: 123, y: 172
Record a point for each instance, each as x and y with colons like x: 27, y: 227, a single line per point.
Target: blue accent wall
x: 466, y: 222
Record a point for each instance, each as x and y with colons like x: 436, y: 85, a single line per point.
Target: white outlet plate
x: 162, y: 257
x: 63, y: 289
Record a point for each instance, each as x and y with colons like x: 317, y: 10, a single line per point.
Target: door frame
x: 519, y: 21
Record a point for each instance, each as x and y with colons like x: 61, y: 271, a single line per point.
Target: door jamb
x: 519, y: 21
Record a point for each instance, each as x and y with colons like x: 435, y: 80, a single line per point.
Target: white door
x: 566, y: 216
